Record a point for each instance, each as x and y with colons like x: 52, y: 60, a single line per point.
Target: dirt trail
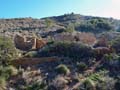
x: 92, y: 68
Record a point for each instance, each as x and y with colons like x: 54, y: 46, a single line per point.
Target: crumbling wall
x: 28, y: 43
x: 40, y: 43
x: 33, y: 61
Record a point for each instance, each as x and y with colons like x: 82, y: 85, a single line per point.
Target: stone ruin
x: 27, y: 43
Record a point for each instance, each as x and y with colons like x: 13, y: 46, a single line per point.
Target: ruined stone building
x: 27, y: 43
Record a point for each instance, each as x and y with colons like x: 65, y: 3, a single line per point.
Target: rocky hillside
x: 57, y: 27
x: 59, y: 22
x: 67, y: 52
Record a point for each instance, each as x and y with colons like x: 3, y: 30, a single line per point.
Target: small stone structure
x: 27, y: 43
x: 31, y: 62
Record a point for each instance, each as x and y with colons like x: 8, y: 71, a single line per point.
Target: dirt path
x: 92, y: 68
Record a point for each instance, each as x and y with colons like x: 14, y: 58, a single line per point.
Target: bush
x: 99, y: 81
x: 31, y: 54
x: 96, y: 77
x: 67, y: 49
x: 2, y: 83
x: 95, y: 26
x: 7, y: 51
x: 8, y: 71
x: 63, y: 69
x: 116, y: 44
x: 70, y: 28
x: 11, y: 70
x: 36, y: 86
x: 111, y: 57
x: 111, y: 60
x: 108, y: 83
x: 81, y: 66
x: 89, y: 84
x: 49, y: 23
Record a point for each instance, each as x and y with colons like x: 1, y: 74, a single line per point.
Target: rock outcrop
x: 27, y: 43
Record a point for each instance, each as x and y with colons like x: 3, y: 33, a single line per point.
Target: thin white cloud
x: 115, y: 1
x: 112, y: 9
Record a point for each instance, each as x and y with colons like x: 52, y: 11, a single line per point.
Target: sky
x: 45, y: 8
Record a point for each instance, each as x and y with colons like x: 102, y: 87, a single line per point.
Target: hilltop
x: 76, y: 19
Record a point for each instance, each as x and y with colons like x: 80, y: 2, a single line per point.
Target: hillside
x: 67, y: 52
x: 63, y: 20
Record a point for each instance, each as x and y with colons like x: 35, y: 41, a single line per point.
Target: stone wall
x: 33, y: 61
x: 27, y: 43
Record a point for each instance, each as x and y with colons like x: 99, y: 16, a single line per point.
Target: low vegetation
x: 62, y: 69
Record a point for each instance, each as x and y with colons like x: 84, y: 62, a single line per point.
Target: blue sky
x: 44, y: 8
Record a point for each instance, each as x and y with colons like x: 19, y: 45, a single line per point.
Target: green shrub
x: 31, y: 54
x: 67, y: 49
x: 7, y: 50
x: 49, y: 22
x: 96, y: 77
x: 96, y: 25
x: 8, y: 71
x: 81, y: 66
x: 111, y: 59
x: 89, y: 84
x: 70, y: 28
x: 2, y: 83
x: 11, y: 70
x: 63, y: 69
x: 108, y: 83
x: 116, y: 44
